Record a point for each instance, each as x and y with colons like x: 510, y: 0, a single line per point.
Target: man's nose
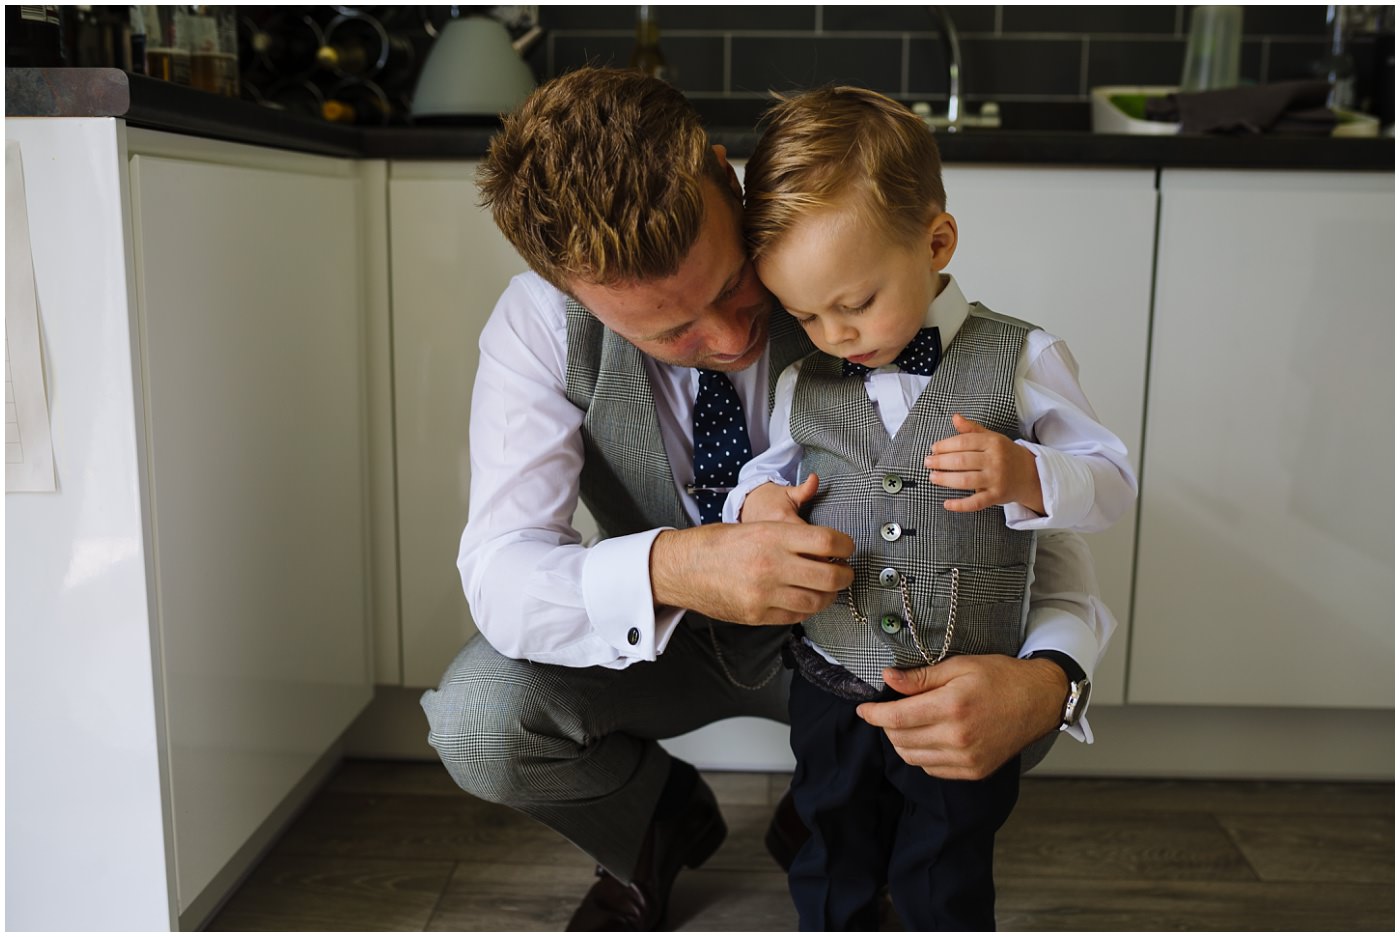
x: 732, y: 331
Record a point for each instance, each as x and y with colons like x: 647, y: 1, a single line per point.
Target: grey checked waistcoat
x: 627, y: 482
x: 876, y: 489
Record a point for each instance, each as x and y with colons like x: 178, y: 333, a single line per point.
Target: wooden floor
x: 396, y: 846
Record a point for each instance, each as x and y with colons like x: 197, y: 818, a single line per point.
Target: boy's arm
x: 778, y: 464
x: 1070, y: 472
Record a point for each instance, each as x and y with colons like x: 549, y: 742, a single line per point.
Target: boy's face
x: 859, y: 296
x: 712, y: 313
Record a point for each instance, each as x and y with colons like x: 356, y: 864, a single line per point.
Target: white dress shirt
x: 537, y: 592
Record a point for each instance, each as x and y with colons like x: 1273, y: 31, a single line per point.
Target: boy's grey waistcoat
x: 965, y: 567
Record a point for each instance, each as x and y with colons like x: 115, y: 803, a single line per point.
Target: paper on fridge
x: 28, y: 448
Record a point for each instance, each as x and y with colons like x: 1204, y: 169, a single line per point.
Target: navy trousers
x: 876, y: 820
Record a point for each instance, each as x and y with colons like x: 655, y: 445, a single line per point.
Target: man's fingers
x: 972, y: 442
x: 961, y: 481
x: 963, y: 425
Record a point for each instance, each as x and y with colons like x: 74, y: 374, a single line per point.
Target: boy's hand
x: 988, y: 464
x: 770, y: 502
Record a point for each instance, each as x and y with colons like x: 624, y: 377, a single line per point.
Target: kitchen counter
x: 145, y: 102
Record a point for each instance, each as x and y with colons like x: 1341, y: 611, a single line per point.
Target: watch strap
x: 1068, y: 664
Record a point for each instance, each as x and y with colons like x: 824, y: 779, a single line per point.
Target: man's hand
x: 988, y: 464
x: 755, y: 574
x: 966, y: 716
x: 773, y: 502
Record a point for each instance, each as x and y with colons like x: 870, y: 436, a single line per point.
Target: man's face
x: 712, y: 313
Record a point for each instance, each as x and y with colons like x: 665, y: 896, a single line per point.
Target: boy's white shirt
x: 1087, y: 480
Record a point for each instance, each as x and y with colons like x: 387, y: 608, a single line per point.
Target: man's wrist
x: 1076, y: 684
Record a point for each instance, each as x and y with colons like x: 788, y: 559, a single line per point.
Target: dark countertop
x: 145, y: 102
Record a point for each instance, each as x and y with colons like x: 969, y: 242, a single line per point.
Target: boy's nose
x: 838, y: 333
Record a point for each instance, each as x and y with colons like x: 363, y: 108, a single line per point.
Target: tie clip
x: 691, y: 488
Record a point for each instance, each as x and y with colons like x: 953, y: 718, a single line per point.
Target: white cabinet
x: 1266, y: 550
x: 1071, y: 251
x: 188, y: 616
x: 449, y: 266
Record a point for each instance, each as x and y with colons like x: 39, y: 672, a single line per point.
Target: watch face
x: 1077, y: 702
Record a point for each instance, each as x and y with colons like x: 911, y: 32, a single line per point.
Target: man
x: 641, y: 299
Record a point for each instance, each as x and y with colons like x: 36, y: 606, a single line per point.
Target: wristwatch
x: 1077, y: 700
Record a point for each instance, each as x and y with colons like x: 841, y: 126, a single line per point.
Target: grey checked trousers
x: 576, y: 748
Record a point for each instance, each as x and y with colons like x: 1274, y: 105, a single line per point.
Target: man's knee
x: 485, y: 721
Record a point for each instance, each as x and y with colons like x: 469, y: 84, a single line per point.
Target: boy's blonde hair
x: 597, y: 177
x: 840, y: 145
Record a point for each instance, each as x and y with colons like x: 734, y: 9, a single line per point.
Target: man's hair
x: 841, y: 146
x: 598, y: 176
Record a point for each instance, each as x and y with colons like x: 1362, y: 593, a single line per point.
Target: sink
x: 1122, y: 109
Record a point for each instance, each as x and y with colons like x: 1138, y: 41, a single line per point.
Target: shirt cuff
x: 1066, y: 486
x: 617, y: 596
x: 734, y: 501
x: 1064, y: 633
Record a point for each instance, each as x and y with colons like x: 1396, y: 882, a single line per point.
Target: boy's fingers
x: 963, y: 425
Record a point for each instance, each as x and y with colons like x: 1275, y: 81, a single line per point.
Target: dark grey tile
x: 1292, y: 59
x: 1001, y: 66
x: 1123, y: 18
x: 1109, y: 845
x: 917, y: 19
x: 1075, y: 904
x: 731, y: 17
x: 1158, y: 797
x: 1135, y: 61
x: 697, y: 62
x: 785, y: 64
x: 505, y: 896
x: 572, y: 51
x: 1294, y: 848
x: 1274, y: 20
x: 287, y: 893
x: 710, y: 900
x: 1252, y: 62
x: 590, y: 16
x: 406, y: 826
x: 357, y: 776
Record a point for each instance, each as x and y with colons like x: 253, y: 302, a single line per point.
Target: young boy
x: 914, y: 399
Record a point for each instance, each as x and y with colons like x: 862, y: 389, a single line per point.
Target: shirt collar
x: 948, y: 311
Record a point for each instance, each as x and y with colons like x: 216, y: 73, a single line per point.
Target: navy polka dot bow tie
x: 920, y: 356
x: 721, y: 443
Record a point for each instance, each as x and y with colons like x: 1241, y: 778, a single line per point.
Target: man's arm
x: 963, y: 718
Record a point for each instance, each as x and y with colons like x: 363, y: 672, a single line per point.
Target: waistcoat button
x: 891, y: 623
x: 889, y: 576
x: 892, y: 484
x: 891, y: 532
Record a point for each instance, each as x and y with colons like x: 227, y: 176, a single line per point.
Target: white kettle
x: 473, y: 70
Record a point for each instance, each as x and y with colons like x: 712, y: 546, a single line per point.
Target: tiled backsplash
x: 1009, y: 53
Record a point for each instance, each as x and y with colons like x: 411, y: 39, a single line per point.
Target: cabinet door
x: 252, y: 340
x: 1266, y: 555
x: 450, y: 265
x: 1071, y: 251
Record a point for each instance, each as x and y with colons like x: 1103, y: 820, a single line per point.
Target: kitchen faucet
x: 954, y: 120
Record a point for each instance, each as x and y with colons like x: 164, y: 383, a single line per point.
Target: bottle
x: 34, y: 37
x: 286, y: 46
x: 167, y: 43
x: 358, y: 46
x: 298, y: 97
x: 357, y: 102
x: 137, y: 24
x: 214, y: 50
x: 646, y: 54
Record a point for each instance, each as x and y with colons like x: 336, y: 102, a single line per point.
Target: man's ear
x: 943, y: 240
x: 722, y: 155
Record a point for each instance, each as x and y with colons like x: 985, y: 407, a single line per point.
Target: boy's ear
x: 943, y: 240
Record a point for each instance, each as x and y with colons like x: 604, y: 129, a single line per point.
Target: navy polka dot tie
x: 721, y: 443
x: 920, y: 356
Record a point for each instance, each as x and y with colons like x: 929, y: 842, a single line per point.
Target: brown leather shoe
x: 786, y: 833
x: 687, y: 839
